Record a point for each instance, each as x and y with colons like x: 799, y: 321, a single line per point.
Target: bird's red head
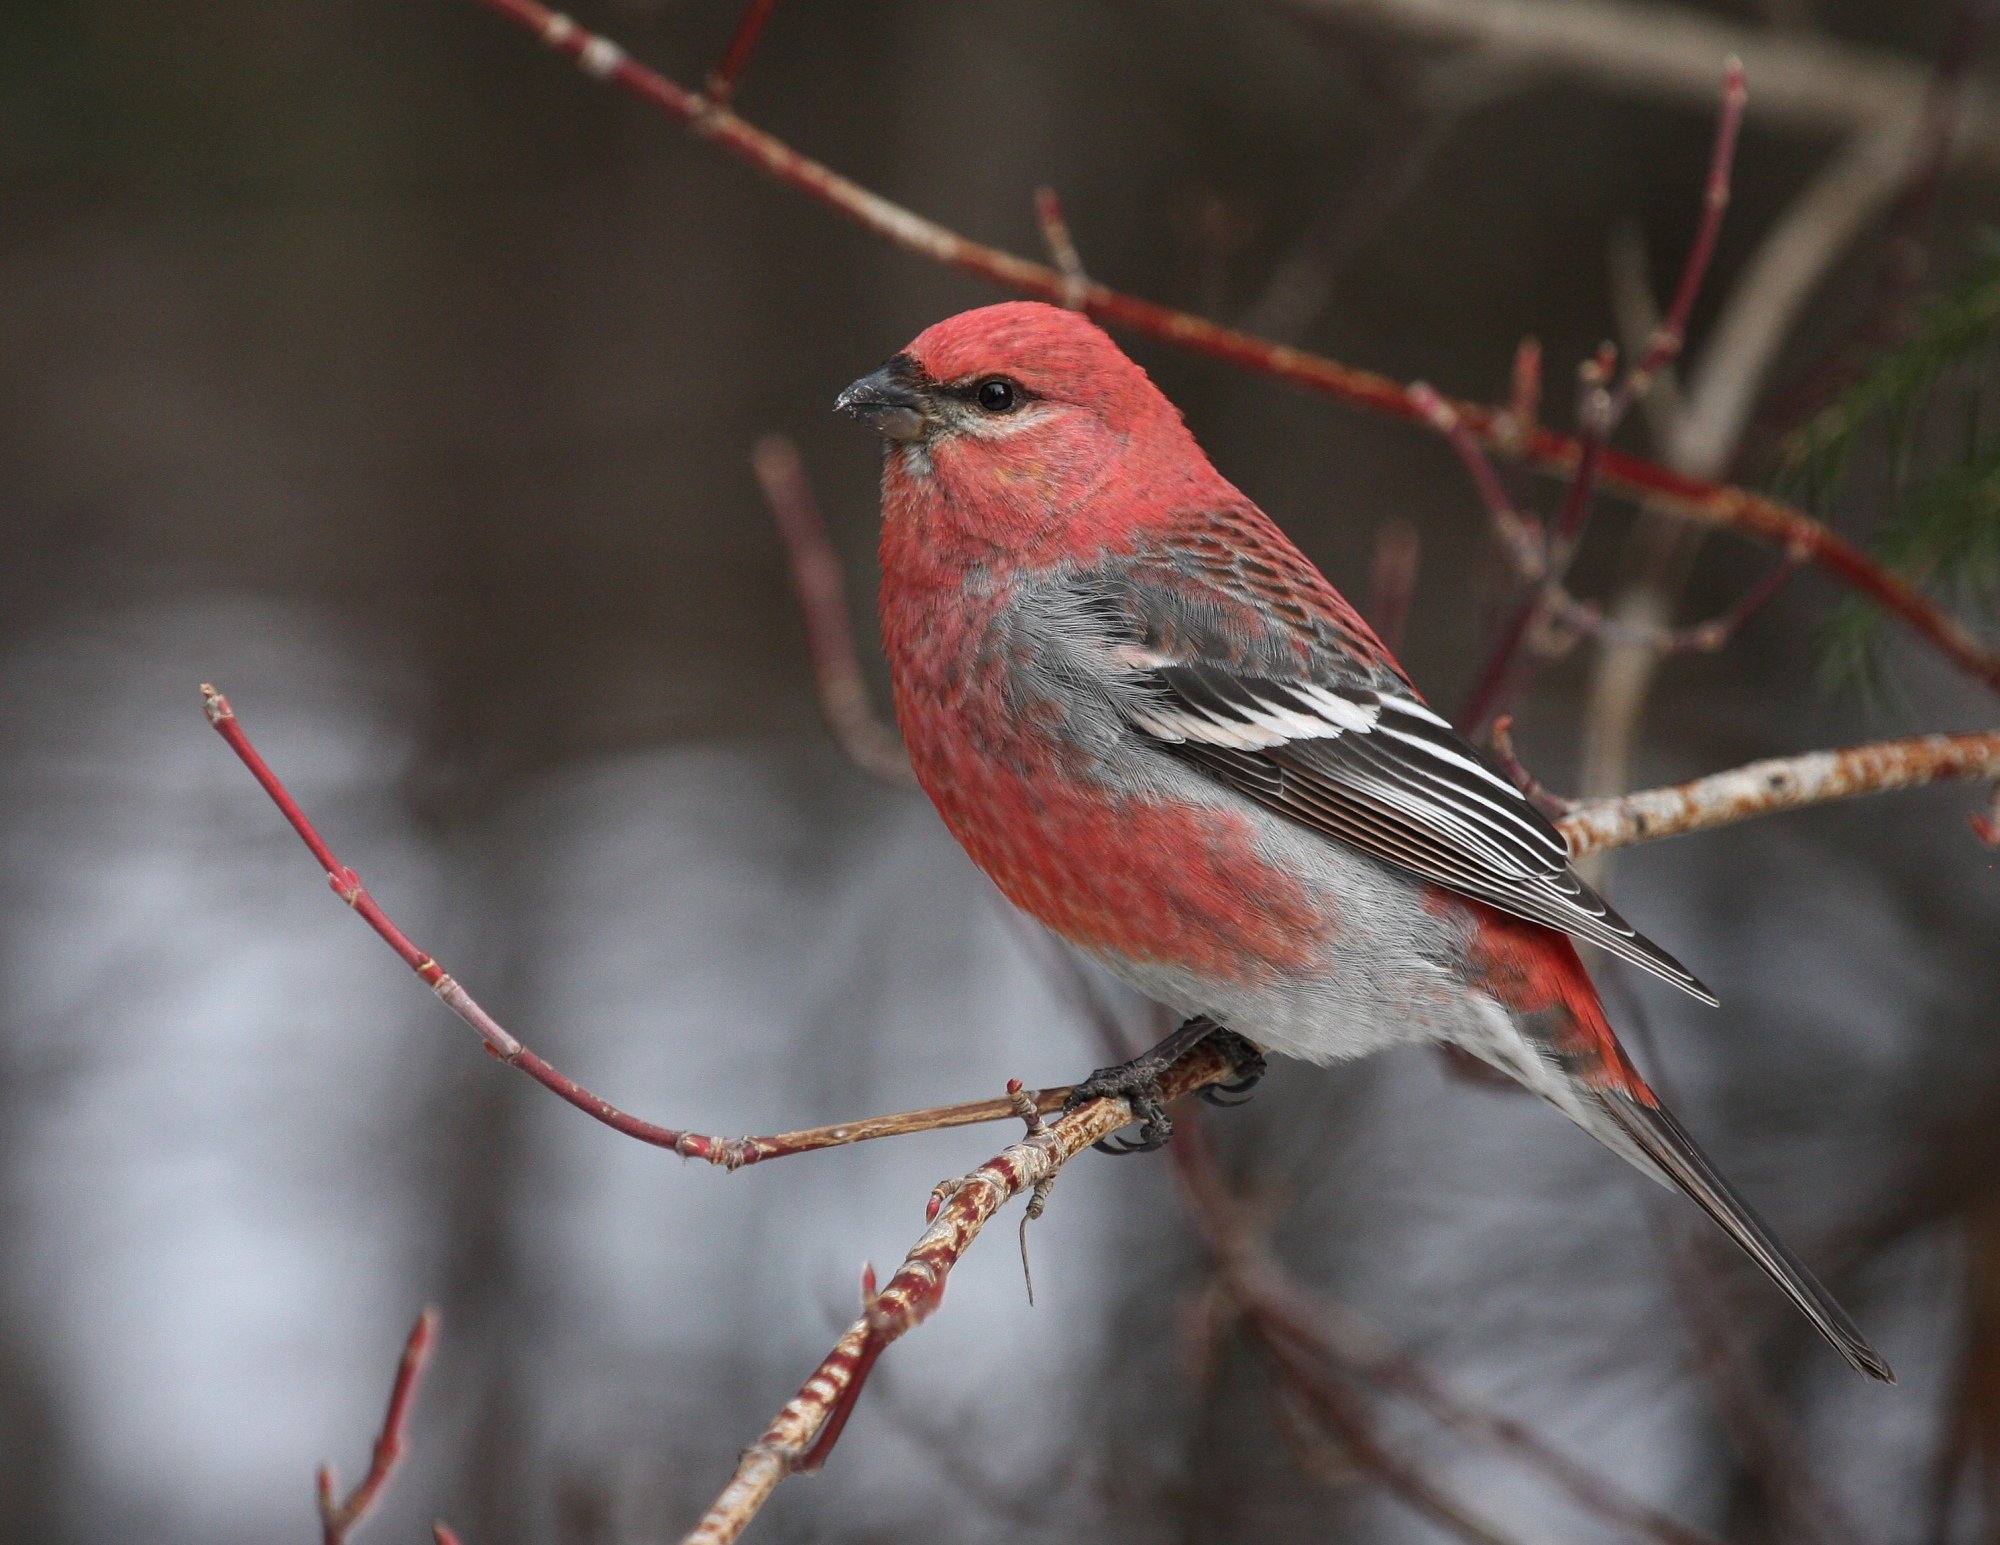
x: 1023, y: 427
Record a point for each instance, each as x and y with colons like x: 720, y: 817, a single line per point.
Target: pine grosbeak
x: 1164, y: 734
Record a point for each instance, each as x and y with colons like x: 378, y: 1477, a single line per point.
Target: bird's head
x: 1024, y: 414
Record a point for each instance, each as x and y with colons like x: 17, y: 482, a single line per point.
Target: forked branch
x: 338, y: 1517
x: 802, y: 1434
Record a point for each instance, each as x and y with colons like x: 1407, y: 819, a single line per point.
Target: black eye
x: 997, y: 395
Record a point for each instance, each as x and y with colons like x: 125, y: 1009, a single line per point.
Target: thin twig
x: 1503, y: 675
x: 1602, y: 407
x: 725, y: 1152
x: 1589, y: 618
x: 802, y: 1434
x: 1752, y: 515
x: 1670, y: 335
x: 870, y: 743
x: 724, y: 78
x: 338, y: 1518
x: 1519, y: 537
x: 1523, y: 411
x: 1500, y: 740
x: 1285, y: 1314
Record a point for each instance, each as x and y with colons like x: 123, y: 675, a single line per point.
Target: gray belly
x: 1391, y: 968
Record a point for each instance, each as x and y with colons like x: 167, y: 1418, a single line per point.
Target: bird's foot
x: 1250, y: 1069
x: 1138, y: 1083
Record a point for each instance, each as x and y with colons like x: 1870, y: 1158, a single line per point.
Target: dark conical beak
x: 890, y: 400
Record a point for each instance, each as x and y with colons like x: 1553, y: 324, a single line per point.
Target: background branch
x: 338, y: 1519
x: 801, y: 1434
x: 1752, y: 515
x: 1668, y: 53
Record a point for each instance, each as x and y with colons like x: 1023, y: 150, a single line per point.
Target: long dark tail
x: 1665, y: 1142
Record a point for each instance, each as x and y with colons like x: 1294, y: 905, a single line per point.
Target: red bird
x: 1164, y: 734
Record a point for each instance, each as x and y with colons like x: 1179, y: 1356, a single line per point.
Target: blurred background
x: 365, y: 359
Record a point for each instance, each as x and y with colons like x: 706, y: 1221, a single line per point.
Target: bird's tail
x: 1652, y: 1130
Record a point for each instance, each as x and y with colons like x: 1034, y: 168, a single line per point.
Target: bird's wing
x: 1258, y: 673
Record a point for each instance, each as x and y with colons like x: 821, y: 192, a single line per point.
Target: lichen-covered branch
x: 1782, y: 783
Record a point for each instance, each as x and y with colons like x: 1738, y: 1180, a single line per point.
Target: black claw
x: 1138, y: 1083
x: 1250, y: 1068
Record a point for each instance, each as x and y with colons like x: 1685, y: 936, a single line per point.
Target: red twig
x: 1518, y: 537
x: 1524, y: 394
x: 844, y: 697
x: 722, y: 80
x: 1753, y: 515
x: 337, y: 1519
x: 1602, y: 407
x: 1670, y: 336
x: 726, y: 1152
x: 443, y: 1534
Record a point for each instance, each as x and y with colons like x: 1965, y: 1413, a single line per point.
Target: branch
x: 1669, y: 54
x: 803, y: 1433
x: 721, y: 85
x: 1600, y: 411
x: 726, y: 1152
x: 1752, y: 515
x: 1783, y: 783
x: 844, y: 699
x: 1588, y: 619
x: 338, y: 1519
x: 1290, y: 1318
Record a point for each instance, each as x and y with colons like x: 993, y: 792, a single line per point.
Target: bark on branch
x: 802, y: 1433
x: 1782, y: 783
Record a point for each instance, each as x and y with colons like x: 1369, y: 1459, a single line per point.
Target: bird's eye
x: 997, y: 395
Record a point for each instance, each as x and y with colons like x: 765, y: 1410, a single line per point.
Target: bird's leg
x: 1138, y: 1082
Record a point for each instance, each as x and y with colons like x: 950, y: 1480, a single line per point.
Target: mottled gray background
x: 356, y: 355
